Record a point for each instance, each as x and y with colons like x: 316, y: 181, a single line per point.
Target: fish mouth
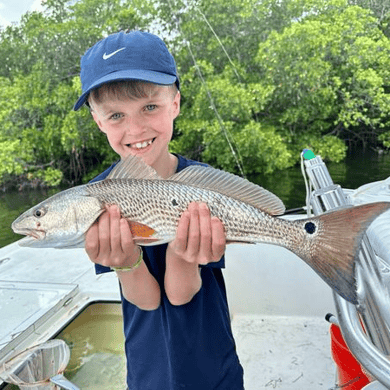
x: 141, y: 144
x: 35, y: 234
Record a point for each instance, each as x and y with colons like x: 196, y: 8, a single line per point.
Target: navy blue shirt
x: 187, y: 347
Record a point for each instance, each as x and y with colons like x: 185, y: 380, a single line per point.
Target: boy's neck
x: 169, y: 168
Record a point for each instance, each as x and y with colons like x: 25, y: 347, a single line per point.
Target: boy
x: 175, y: 312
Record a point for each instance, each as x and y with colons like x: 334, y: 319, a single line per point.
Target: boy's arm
x: 200, y: 240
x: 109, y: 242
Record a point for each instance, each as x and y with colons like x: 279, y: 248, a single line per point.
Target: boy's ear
x: 97, y: 121
x: 176, y: 104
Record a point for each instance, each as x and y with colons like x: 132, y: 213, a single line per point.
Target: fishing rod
x: 233, y: 148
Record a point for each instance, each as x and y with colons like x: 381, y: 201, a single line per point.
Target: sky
x: 12, y: 10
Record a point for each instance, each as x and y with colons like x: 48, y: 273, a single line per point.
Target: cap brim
x: 131, y: 74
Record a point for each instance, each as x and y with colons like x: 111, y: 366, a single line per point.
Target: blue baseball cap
x: 136, y: 55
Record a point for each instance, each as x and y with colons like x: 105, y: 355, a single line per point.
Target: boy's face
x: 142, y: 127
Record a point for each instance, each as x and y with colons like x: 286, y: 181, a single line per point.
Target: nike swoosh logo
x: 107, y: 56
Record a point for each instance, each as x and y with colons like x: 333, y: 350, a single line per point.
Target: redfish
x: 329, y: 243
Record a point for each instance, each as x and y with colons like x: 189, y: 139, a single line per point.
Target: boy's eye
x: 150, y: 107
x: 115, y: 116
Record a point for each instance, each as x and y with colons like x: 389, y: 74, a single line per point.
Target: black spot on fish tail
x: 334, y: 248
x: 310, y: 227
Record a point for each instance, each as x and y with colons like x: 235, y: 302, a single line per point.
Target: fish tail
x: 333, y: 243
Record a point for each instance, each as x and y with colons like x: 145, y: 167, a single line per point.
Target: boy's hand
x: 200, y: 238
x: 109, y: 241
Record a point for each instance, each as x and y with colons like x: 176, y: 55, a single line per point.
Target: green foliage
x: 380, y: 9
x: 328, y: 70
x: 43, y: 141
x: 262, y: 150
x: 200, y: 135
x: 385, y: 139
x: 328, y: 147
x: 319, y: 71
x: 260, y: 82
x: 50, y: 176
x: 8, y: 151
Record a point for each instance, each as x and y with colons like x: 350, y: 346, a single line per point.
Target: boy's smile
x: 142, y: 126
x: 141, y: 145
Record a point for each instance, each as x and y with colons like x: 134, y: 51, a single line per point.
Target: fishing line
x: 221, y: 44
x: 235, y: 154
x: 220, y: 120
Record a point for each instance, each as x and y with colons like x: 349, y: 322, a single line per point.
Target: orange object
x: 349, y: 372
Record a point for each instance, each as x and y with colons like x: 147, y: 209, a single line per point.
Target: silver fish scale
x: 160, y: 203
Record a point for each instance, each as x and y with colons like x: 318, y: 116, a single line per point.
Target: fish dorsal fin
x: 230, y: 185
x: 133, y: 167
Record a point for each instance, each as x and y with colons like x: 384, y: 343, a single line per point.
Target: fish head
x: 59, y: 221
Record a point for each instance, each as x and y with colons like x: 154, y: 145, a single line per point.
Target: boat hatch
x: 36, y: 302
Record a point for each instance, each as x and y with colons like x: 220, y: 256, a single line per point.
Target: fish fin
x: 230, y: 185
x: 133, y: 167
x: 139, y: 230
x: 335, y: 246
x: 145, y: 235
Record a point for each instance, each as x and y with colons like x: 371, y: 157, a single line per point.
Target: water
x: 356, y: 170
x: 96, y: 341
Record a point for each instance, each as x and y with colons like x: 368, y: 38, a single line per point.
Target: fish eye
x: 310, y: 227
x: 39, y: 212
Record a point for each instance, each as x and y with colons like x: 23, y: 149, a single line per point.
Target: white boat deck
x: 284, y: 352
x: 277, y: 304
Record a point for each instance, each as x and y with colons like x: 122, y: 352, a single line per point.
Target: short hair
x: 126, y: 89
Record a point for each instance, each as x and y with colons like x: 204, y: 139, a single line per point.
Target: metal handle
x: 372, y: 348
x: 373, y: 360
x: 61, y: 381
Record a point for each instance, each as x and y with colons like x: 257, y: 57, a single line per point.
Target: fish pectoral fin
x: 145, y: 235
x: 140, y: 230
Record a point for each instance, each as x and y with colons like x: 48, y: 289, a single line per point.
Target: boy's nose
x: 135, y: 126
